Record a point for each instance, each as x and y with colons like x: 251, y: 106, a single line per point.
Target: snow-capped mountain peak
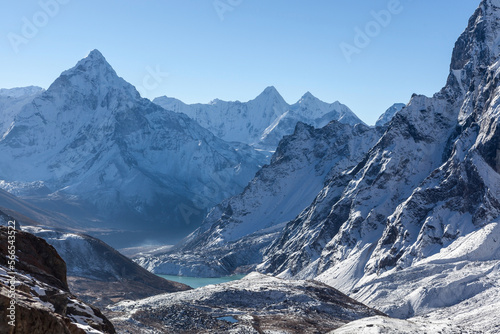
x: 94, y: 63
x: 263, y: 121
x: 95, y: 55
x: 270, y: 102
x: 92, y: 137
x: 308, y: 97
x: 475, y: 50
x: 387, y: 116
x: 270, y: 90
x: 271, y: 97
x: 91, y: 75
x: 311, y: 107
x: 480, y: 41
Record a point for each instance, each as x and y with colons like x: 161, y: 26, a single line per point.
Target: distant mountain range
x: 403, y: 216
x: 264, y: 121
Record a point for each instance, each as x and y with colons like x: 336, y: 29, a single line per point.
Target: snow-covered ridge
x: 263, y: 121
x: 453, y: 291
x: 19, y: 92
x: 11, y: 102
x: 389, y: 114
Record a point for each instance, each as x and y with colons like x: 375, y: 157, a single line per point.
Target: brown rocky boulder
x: 43, y: 302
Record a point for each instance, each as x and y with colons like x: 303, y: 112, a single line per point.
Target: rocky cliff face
x: 44, y: 303
x: 429, y: 182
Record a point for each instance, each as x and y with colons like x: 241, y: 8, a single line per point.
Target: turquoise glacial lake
x: 198, y: 282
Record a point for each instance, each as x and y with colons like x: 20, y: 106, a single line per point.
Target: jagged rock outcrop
x: 428, y: 184
x: 44, y: 303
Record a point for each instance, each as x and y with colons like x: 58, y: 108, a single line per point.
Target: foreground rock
x: 44, y: 302
x: 255, y: 304
x: 97, y: 273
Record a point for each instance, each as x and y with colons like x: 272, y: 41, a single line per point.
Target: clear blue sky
x: 293, y: 45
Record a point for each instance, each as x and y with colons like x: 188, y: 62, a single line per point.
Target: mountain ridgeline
x: 119, y: 166
x: 264, y: 121
x: 429, y: 180
x: 91, y: 141
x: 236, y: 231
